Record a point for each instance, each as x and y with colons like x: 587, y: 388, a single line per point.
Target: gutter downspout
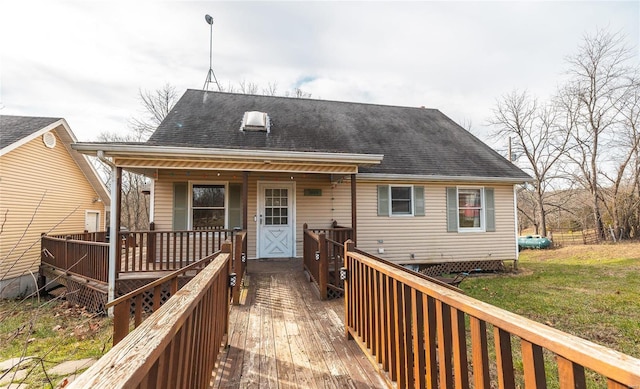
x: 113, y: 233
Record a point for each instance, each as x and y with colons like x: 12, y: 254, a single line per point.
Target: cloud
x: 87, y: 61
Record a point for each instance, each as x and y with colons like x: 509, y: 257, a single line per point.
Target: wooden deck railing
x: 99, y: 236
x: 178, y: 345
x: 416, y: 331
x: 151, y: 297
x: 322, y: 256
x: 144, y: 251
x: 83, y: 258
x: 239, y: 263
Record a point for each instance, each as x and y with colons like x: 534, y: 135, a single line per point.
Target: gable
x: 17, y: 130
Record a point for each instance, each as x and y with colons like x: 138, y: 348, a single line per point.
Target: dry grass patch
x: 51, y: 331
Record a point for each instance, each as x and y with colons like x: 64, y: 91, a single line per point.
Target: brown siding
x: 30, y: 175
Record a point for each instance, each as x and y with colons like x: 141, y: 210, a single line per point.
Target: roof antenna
x: 211, y: 77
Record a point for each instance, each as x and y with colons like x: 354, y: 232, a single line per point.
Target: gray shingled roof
x: 413, y: 140
x: 14, y: 128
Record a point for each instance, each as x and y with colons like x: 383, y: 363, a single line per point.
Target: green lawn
x: 52, y: 332
x: 589, y: 291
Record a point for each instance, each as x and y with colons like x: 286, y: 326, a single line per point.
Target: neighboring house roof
x: 16, y: 131
x: 414, y: 141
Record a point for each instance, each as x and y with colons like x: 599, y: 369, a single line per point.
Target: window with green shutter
x: 470, y: 209
x: 401, y: 200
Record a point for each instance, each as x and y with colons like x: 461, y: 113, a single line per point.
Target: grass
x: 589, y: 291
x: 51, y: 331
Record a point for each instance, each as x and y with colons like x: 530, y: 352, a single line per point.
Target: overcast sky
x: 87, y: 60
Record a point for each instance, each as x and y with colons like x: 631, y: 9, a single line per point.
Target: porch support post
x: 245, y: 200
x: 114, y: 236
x: 354, y: 216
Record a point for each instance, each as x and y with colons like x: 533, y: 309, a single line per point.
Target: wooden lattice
x: 93, y: 300
x: 439, y: 269
x: 89, y: 294
x: 126, y: 286
x: 334, y: 293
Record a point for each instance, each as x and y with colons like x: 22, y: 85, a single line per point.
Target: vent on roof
x: 255, y: 121
x: 49, y: 140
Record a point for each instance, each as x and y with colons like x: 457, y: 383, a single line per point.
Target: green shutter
x: 452, y: 209
x: 418, y: 201
x: 383, y: 200
x: 490, y: 210
x: 235, y: 206
x: 180, y: 205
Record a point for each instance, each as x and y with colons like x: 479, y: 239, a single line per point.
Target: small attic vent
x: 49, y: 140
x: 255, y: 121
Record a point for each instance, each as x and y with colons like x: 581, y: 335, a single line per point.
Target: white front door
x: 276, y: 220
x: 92, y: 221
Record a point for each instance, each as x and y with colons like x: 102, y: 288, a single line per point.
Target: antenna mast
x: 211, y: 77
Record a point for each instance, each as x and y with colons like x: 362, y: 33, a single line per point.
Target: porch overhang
x: 147, y: 159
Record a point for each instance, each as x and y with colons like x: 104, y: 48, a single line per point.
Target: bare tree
x: 248, y: 87
x: 156, y: 106
x: 298, y: 93
x: 252, y: 88
x: 620, y: 199
x: 537, y: 138
x: 599, y: 78
x: 135, y: 204
x: 271, y: 89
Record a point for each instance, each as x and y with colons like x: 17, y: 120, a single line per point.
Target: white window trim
x: 226, y: 200
x: 411, y: 206
x: 483, y: 225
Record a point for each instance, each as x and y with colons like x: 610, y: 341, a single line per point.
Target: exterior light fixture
x: 343, y: 273
x: 317, y: 255
x: 233, y: 279
x: 243, y: 257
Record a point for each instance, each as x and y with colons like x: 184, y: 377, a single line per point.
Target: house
x: 45, y: 187
x: 415, y: 187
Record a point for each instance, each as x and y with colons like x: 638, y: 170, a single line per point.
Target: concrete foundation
x: 18, y: 287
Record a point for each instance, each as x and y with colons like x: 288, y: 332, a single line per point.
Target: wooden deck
x: 282, y: 336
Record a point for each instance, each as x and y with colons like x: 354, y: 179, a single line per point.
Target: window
x: 401, y: 200
x: 405, y: 200
x: 276, y: 207
x: 470, y: 209
x: 208, y: 211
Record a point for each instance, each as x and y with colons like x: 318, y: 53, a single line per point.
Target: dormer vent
x: 256, y: 121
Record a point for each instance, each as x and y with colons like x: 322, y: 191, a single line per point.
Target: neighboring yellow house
x: 45, y: 187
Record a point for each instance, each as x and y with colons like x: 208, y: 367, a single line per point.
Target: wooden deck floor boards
x: 283, y: 336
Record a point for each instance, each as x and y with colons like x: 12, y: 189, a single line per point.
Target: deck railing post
x: 305, y: 245
x: 323, y: 266
x: 349, y: 246
x: 227, y: 248
x: 151, y: 243
x: 237, y: 266
x: 66, y: 252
